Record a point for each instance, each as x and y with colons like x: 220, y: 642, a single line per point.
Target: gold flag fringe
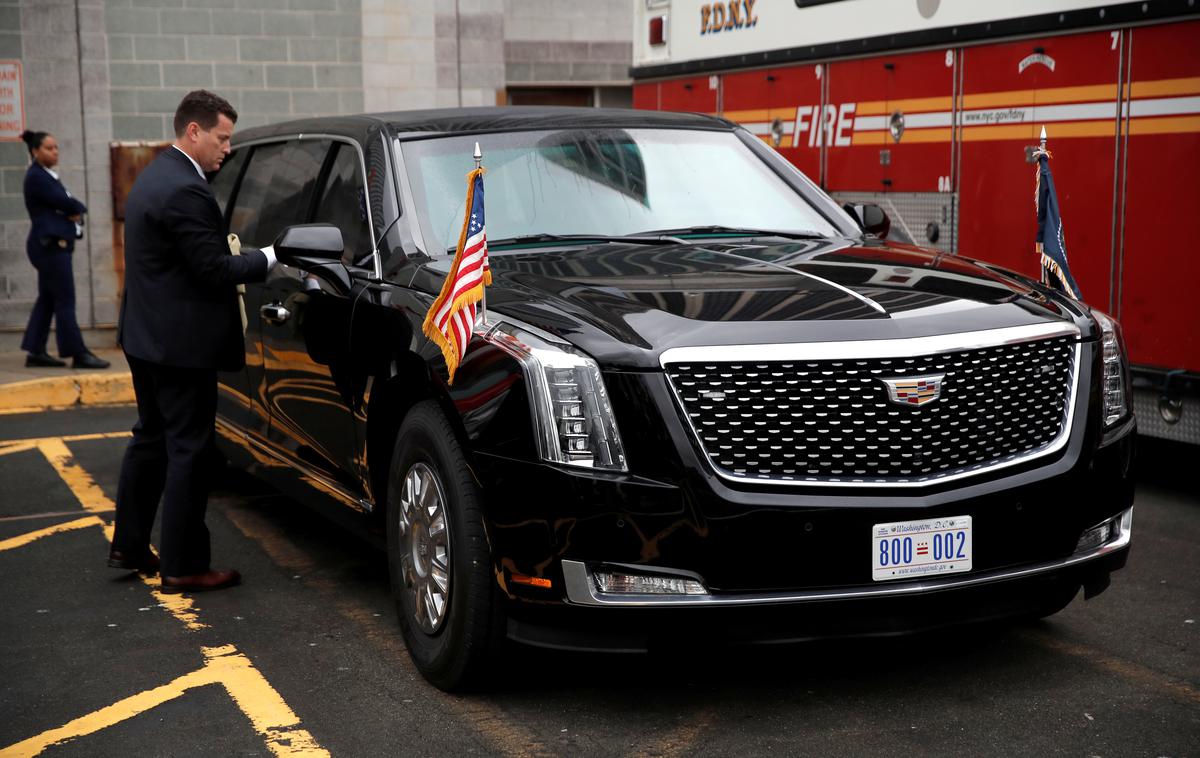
x: 471, y: 296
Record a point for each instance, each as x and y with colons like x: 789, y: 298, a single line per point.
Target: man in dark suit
x: 179, y: 325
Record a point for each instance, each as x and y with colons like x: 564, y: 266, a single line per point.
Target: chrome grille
x: 830, y: 421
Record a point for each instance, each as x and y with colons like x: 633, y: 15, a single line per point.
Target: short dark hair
x: 203, y: 107
x: 33, y: 140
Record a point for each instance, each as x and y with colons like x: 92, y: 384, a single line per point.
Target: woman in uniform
x: 57, y: 222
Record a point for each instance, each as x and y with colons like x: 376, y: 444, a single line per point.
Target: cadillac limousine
x: 702, y: 401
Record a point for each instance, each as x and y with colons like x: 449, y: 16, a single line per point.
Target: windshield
x: 604, y: 182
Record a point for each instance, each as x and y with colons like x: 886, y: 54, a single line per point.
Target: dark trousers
x: 56, y: 298
x: 169, y: 457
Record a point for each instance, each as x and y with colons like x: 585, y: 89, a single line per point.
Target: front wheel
x: 451, y: 613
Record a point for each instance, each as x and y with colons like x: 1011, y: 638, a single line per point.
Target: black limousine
x: 703, y: 402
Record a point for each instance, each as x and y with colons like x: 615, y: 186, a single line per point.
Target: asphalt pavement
x: 305, y: 658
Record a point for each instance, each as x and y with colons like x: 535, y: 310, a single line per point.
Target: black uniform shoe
x: 43, y: 360
x: 87, y: 360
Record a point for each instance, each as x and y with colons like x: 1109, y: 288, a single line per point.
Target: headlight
x: 572, y: 415
x: 1116, y: 394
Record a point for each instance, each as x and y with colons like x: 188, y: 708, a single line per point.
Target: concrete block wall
x: 552, y: 43
x: 272, y: 59
x: 54, y: 58
x: 412, y: 56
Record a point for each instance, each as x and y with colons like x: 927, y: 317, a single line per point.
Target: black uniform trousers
x: 170, y: 457
x: 56, y: 298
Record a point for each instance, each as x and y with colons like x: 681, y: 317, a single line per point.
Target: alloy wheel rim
x: 425, y: 546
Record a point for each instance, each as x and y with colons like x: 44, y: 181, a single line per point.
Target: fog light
x: 1094, y: 537
x: 646, y: 584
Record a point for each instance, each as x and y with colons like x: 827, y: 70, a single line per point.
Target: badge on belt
x: 62, y: 244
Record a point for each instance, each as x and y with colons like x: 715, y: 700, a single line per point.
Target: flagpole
x: 478, y: 165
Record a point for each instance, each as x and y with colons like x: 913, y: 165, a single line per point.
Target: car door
x: 305, y: 322
x: 235, y: 395
x: 247, y: 209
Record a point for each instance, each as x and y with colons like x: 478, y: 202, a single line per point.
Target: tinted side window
x: 277, y: 189
x: 249, y: 202
x: 343, y: 203
x: 222, y: 183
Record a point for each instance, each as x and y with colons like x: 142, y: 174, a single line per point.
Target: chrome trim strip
x: 881, y: 349
x: 867, y: 349
x: 581, y: 588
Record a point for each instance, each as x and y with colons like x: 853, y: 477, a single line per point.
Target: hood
x: 625, y: 304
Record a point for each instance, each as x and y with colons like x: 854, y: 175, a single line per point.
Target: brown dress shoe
x: 215, y: 579
x: 147, y: 563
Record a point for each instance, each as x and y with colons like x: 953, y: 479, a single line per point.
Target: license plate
x: 915, y: 549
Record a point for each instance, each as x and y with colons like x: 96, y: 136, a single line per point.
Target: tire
x: 450, y: 610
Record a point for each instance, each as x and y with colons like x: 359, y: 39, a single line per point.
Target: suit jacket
x: 180, y: 306
x: 49, y: 204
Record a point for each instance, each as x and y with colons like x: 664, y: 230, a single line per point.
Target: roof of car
x: 507, y: 118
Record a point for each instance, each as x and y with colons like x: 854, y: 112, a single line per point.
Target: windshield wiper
x: 737, y: 231
x: 633, y: 239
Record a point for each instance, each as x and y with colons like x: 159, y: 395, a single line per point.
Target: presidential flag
x: 1050, y: 242
x: 451, y: 319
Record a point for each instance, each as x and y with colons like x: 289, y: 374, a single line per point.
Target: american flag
x: 1050, y: 241
x: 451, y: 319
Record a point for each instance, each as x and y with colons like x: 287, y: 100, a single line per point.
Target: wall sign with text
x: 12, y: 101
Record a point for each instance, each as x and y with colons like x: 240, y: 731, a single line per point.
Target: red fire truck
x: 931, y: 109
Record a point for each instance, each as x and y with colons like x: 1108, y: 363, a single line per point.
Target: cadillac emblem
x: 914, y: 390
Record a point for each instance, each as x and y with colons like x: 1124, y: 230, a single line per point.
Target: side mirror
x: 871, y: 218
x: 317, y: 249
x: 323, y: 241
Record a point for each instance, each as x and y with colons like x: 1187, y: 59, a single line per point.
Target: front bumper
x: 639, y: 629
x: 582, y: 589
x: 777, y: 563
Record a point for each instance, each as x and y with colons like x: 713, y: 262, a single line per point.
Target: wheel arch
x: 392, y: 398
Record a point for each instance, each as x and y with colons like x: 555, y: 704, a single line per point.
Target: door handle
x: 275, y: 313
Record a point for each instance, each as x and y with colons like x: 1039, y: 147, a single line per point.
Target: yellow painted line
x: 25, y: 539
x: 271, y: 717
x: 1134, y: 672
x: 66, y: 392
x: 268, y: 713
x: 682, y: 739
x: 503, y: 734
x: 93, y: 499
x: 1176, y: 125
x: 16, y: 446
x: 35, y: 516
x: 89, y: 494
